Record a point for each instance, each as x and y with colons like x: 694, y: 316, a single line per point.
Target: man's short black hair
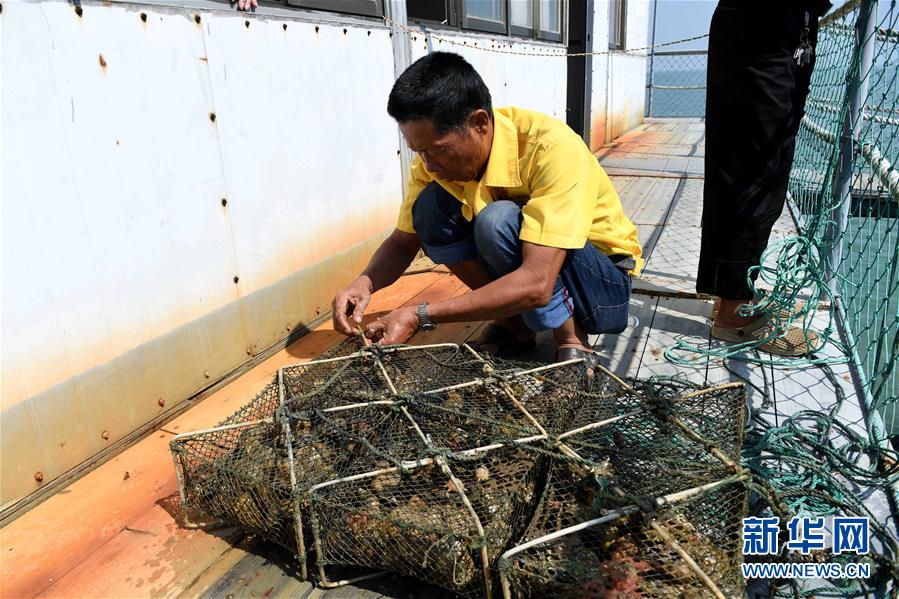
x: 441, y: 87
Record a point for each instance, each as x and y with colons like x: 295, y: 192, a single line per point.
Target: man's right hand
x: 349, y: 305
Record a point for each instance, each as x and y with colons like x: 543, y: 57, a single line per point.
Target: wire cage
x: 255, y: 468
x: 464, y: 472
x: 644, y: 498
x: 445, y: 514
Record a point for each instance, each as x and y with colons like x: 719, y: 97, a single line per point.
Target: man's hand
x: 349, y: 306
x: 247, y: 4
x: 396, y: 327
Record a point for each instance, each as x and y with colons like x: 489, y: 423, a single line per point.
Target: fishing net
x: 838, y: 276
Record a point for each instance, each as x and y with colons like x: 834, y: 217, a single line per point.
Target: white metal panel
x: 111, y: 226
x: 627, y: 72
x: 309, y: 151
x: 627, y: 76
x: 531, y: 82
x: 600, y: 81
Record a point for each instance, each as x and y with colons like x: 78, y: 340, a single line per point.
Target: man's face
x: 458, y: 155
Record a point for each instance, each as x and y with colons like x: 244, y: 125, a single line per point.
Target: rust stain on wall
x: 120, y: 396
x: 597, y: 132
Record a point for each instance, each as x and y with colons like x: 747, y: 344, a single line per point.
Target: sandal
x: 792, y: 345
x: 501, y: 342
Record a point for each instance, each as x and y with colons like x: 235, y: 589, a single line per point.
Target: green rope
x: 813, y: 460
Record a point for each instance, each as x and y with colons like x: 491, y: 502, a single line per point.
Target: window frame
x: 545, y: 34
x: 457, y: 20
x: 520, y: 30
x: 450, y: 9
x: 621, y: 26
x: 477, y: 24
x: 365, y: 8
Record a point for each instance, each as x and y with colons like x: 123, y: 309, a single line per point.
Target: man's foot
x: 727, y: 313
x: 503, y: 342
x: 784, y: 314
x: 576, y: 352
x: 580, y: 352
x: 793, y: 344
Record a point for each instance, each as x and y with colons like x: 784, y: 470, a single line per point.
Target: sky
x: 677, y: 19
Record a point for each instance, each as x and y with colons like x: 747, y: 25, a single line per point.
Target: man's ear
x: 479, y: 120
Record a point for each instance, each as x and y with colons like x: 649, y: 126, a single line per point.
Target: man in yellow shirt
x: 515, y: 205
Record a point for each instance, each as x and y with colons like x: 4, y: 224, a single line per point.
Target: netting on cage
x: 445, y: 514
x: 254, y: 470
x: 837, y: 277
x: 644, y: 496
x: 445, y: 521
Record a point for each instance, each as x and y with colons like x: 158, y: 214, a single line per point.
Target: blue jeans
x: 590, y: 287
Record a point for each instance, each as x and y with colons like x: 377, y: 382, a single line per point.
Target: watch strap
x: 424, y: 322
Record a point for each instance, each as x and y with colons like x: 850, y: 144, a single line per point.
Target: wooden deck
x: 117, y: 531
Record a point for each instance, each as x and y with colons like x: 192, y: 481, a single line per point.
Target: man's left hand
x: 396, y: 327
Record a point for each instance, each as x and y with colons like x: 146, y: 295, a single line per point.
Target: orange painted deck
x: 117, y: 531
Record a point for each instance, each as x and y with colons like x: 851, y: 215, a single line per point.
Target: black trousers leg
x: 755, y: 100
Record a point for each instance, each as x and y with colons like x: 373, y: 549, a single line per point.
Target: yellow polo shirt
x: 542, y: 164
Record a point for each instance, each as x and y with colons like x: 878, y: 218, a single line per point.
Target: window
x: 540, y: 19
x: 371, y: 8
x: 485, y: 15
x: 428, y: 10
x: 521, y: 16
x: 550, y: 20
x: 617, y: 23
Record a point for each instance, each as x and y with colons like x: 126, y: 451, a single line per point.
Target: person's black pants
x: 754, y: 103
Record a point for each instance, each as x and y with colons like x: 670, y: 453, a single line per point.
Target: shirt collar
x: 502, y: 166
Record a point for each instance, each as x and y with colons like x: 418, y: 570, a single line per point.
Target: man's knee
x: 435, y: 216
x: 496, y: 231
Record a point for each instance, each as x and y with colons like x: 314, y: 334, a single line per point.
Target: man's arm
x: 528, y: 287
x: 391, y: 259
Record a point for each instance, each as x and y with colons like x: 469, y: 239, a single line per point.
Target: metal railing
x: 676, y: 82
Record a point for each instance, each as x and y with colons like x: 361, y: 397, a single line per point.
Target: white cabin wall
x: 619, y: 77
x: 119, y: 259
x: 531, y: 82
x: 599, y: 93
x: 628, y: 72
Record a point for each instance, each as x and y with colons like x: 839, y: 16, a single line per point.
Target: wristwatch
x: 425, y: 323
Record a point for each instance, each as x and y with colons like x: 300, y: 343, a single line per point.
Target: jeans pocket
x: 606, y: 319
x: 615, y: 276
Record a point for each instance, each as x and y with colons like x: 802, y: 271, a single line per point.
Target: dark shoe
x: 590, y: 358
x: 501, y: 342
x: 575, y: 353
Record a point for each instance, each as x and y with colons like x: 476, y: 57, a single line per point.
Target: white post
x: 395, y: 10
x: 652, y: 54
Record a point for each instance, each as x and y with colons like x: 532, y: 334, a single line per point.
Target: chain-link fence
x: 845, y: 187
x: 675, y: 85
